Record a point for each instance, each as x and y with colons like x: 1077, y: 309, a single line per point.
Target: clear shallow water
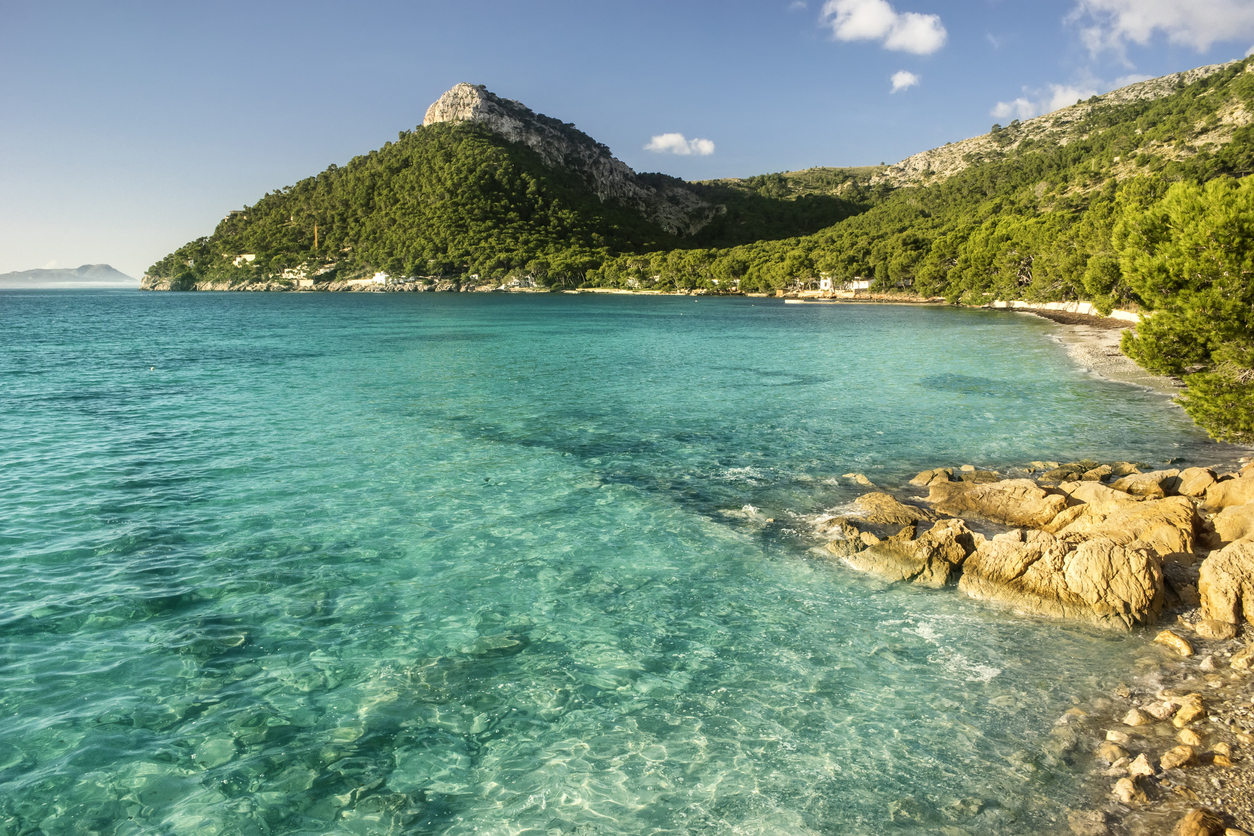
x: 289, y: 564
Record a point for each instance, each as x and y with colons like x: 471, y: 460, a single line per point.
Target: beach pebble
x: 1243, y: 659
x: 1191, y: 709
x: 1161, y: 710
x: 1178, y: 757
x: 1128, y: 792
x: 1222, y: 748
x: 1199, y: 822
x: 1111, y: 753
x: 1207, y: 664
x: 1137, y: 717
x: 1189, y: 737
x: 1209, y: 628
x: 1174, y: 642
x: 1141, y: 767
x: 1118, y: 737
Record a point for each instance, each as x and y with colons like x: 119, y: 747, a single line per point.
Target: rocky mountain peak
x: 562, y: 145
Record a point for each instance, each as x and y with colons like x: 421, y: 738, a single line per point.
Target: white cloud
x: 904, y: 80
x: 876, y: 20
x: 1112, y: 24
x: 798, y: 5
x: 1057, y: 97
x: 52, y: 265
x: 677, y: 144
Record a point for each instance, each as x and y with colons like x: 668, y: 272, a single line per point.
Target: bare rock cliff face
x: 559, y: 144
x: 1059, y: 126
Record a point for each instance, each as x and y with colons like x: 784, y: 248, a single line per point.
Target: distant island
x: 1140, y: 200
x: 87, y: 276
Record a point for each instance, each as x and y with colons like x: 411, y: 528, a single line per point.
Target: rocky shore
x: 1118, y: 546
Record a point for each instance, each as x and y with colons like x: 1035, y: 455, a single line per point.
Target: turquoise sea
x: 453, y: 564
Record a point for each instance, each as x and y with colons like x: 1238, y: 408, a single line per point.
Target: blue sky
x: 128, y: 128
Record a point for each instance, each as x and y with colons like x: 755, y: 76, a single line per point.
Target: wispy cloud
x: 798, y: 5
x: 904, y: 80
x: 52, y: 265
x: 876, y: 20
x: 677, y: 144
x: 1057, y: 97
x: 1110, y: 25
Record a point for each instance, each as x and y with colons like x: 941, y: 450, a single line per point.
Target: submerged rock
x: 1099, y: 581
x: 1199, y: 822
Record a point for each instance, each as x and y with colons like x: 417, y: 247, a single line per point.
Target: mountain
x: 484, y: 190
x: 87, y: 276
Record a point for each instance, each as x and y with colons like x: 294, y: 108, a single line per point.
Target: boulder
x: 1141, y: 767
x: 1127, y: 791
x: 1195, y: 480
x: 1097, y: 474
x: 1199, y: 822
x: 1174, y: 642
x: 859, y: 479
x: 1018, y: 502
x: 1226, y: 583
x: 882, y: 509
x: 1215, y: 630
x: 1118, y: 469
x: 1228, y: 492
x: 1179, y: 756
x: 1191, y: 709
x: 1157, y: 483
x: 1098, y: 581
x: 929, y: 560
x: 1165, y: 525
x: 1236, y: 522
x: 927, y: 477
x: 1095, y: 493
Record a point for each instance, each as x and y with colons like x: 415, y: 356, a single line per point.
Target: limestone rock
x: 885, y: 510
x: 927, y: 477
x: 1097, y: 474
x: 1199, y: 822
x: 1178, y: 757
x: 928, y: 560
x: 1191, y: 709
x: 1236, y: 522
x: 1161, y: 710
x: 1189, y: 737
x: 1174, y: 642
x: 1118, y: 737
x: 1095, y: 493
x: 1098, y: 581
x: 675, y: 209
x: 1118, y: 469
x: 1228, y: 492
x: 1018, y: 502
x: 1137, y: 717
x: 1215, y: 630
x: 1157, y: 483
x: 1195, y: 480
x: 859, y: 479
x: 1141, y: 767
x: 1127, y: 791
x: 1243, y: 659
x: 980, y: 477
x: 1111, y: 752
x: 1166, y: 525
x: 1226, y: 584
